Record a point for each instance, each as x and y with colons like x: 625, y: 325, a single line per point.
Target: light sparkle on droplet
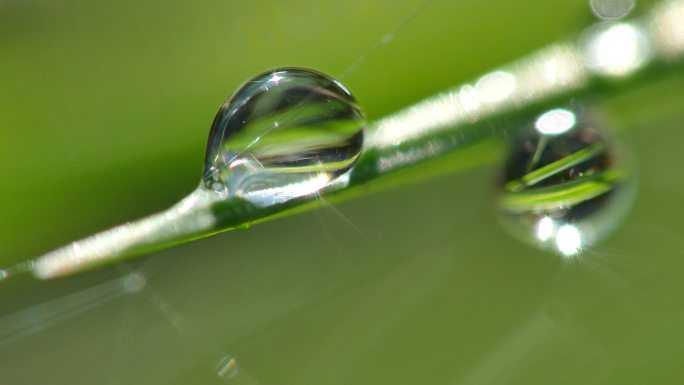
x: 545, y: 228
x: 555, y: 122
x: 275, y: 78
x: 568, y: 240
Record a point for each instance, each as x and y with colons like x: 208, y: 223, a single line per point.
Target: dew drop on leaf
x: 564, y: 185
x: 284, y: 133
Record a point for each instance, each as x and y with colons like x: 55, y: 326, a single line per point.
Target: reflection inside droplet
x: 284, y: 134
x: 564, y: 189
x: 555, y: 122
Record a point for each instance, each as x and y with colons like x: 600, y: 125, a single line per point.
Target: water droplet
x: 611, y: 9
x: 283, y: 134
x: 564, y: 185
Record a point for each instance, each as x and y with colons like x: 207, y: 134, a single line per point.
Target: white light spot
x: 568, y: 240
x: 275, y: 78
x: 555, y: 122
x: 545, y: 229
x: 616, y: 49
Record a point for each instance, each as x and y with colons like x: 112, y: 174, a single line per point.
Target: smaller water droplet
x: 564, y: 185
x: 611, y: 9
x: 285, y: 133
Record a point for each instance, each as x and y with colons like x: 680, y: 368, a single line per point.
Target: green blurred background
x: 104, y: 112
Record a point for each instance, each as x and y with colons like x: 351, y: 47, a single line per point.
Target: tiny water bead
x: 611, y: 9
x: 564, y: 185
x: 288, y: 132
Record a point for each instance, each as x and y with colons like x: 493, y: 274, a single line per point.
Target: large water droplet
x: 564, y: 185
x: 285, y: 133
